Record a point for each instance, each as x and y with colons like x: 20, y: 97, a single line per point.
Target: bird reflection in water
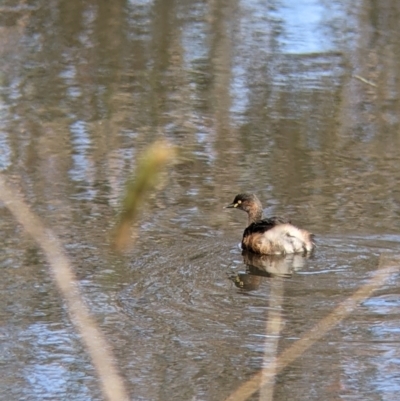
x: 259, y: 266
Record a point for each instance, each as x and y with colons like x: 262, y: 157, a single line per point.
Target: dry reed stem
x: 112, y: 385
x: 366, y: 81
x: 343, y: 310
x: 273, y: 330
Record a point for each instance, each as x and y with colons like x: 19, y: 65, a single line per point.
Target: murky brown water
x: 298, y: 103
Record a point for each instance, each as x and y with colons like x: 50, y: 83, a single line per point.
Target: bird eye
x: 239, y: 202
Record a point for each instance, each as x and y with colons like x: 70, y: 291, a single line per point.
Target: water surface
x: 296, y: 102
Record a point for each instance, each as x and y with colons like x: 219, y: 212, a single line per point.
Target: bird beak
x: 232, y: 205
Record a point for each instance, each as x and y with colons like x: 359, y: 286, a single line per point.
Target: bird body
x: 269, y: 236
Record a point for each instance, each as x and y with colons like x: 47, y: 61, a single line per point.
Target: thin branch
x: 366, y: 81
x: 96, y: 344
x: 344, y: 309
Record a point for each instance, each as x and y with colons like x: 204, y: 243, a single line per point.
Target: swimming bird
x: 273, y: 235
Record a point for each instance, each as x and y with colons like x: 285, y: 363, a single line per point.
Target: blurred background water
x: 295, y: 101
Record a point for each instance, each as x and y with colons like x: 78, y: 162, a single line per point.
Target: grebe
x: 273, y: 235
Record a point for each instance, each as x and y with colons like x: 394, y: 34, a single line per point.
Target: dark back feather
x: 264, y: 225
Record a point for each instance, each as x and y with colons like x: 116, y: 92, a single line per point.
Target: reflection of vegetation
x: 293, y: 126
x: 153, y: 161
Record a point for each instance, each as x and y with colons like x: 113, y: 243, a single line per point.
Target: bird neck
x: 255, y: 214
